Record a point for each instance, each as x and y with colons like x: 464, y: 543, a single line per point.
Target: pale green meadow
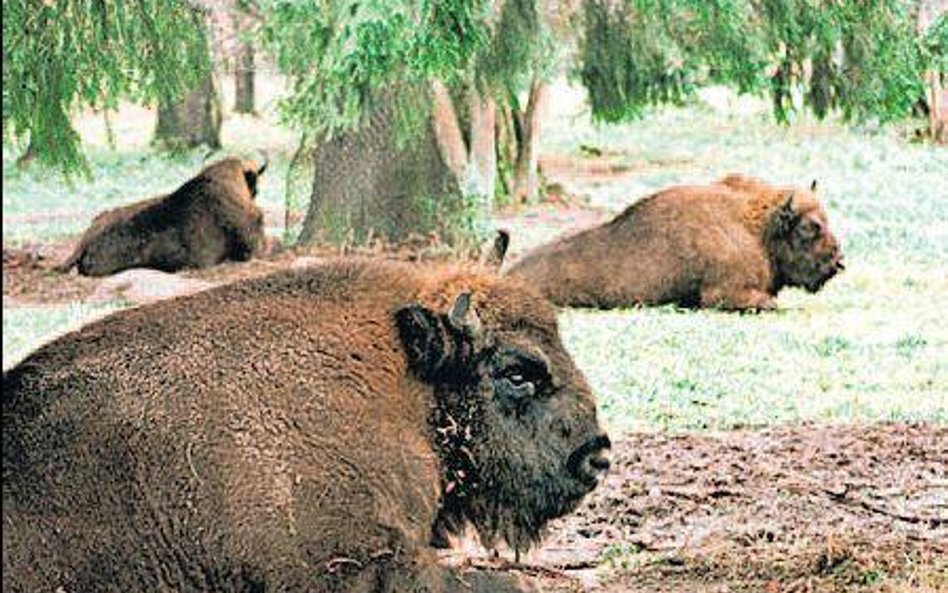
x: 873, y: 345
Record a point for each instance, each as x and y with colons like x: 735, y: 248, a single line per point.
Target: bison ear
x: 785, y: 219
x: 252, y: 173
x: 423, y: 336
x: 493, y: 252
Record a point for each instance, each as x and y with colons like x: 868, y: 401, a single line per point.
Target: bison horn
x: 493, y: 252
x: 813, y: 186
x: 266, y: 161
x: 463, y: 317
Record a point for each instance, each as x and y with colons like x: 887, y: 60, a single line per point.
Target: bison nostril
x: 588, y: 461
x: 599, y: 462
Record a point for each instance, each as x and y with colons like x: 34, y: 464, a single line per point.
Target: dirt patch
x: 812, y: 508
x: 29, y: 277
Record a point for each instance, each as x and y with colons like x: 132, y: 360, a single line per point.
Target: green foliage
x: 339, y: 53
x: 647, y: 52
x: 64, y: 55
x: 860, y: 56
x: 935, y: 45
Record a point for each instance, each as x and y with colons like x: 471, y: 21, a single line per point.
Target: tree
x: 458, y: 84
x: 64, y: 55
x: 195, y: 119
x: 244, y: 79
x: 245, y: 67
x: 452, y: 64
x: 478, y: 58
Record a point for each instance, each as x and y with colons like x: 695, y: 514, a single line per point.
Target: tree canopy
x: 63, y: 55
x: 861, y: 57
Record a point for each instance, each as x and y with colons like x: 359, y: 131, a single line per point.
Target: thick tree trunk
x: 526, y: 174
x: 482, y: 163
x: 194, y: 121
x: 937, y: 109
x: 369, y: 184
x: 244, y: 79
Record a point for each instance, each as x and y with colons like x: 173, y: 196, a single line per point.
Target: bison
x: 209, y: 219
x: 731, y: 245
x: 312, y: 430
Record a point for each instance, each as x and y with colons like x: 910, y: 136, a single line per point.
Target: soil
x: 793, y: 509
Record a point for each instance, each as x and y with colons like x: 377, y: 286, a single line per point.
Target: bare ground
x: 794, y: 509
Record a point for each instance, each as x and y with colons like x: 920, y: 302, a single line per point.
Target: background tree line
x: 416, y: 115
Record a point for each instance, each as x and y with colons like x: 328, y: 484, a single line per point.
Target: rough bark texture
x: 525, y: 183
x: 482, y: 165
x: 194, y: 121
x: 369, y: 184
x: 244, y: 80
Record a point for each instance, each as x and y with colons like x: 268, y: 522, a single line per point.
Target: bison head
x: 514, y: 421
x: 802, y: 249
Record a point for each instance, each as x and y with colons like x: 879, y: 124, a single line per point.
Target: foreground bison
x: 732, y: 245
x: 209, y: 219
x: 308, y: 431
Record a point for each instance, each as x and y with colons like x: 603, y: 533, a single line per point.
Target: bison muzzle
x: 307, y: 431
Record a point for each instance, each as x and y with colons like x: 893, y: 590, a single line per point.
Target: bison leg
x: 745, y: 299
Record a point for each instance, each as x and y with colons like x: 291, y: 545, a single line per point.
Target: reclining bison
x: 209, y: 219
x: 308, y: 431
x: 731, y: 245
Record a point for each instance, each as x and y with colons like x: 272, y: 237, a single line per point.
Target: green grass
x: 27, y: 328
x: 873, y: 345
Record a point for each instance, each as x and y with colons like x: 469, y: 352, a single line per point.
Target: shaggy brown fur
x: 306, y: 431
x: 209, y: 219
x: 733, y: 245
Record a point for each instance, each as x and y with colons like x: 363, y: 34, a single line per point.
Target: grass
x: 27, y: 328
x: 872, y: 346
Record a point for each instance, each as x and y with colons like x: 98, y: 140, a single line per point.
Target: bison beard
x: 306, y: 431
x: 209, y: 219
x: 733, y: 244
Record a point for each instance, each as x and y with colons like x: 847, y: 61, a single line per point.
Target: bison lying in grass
x: 732, y: 245
x: 209, y: 219
x: 308, y: 431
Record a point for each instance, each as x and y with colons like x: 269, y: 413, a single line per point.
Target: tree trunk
x: 525, y: 183
x: 243, y: 79
x: 29, y: 155
x: 482, y: 163
x: 369, y: 184
x: 193, y: 121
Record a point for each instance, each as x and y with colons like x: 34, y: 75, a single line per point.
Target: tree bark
x: 193, y: 121
x: 482, y: 165
x: 526, y: 174
x: 244, y: 79
x: 371, y: 183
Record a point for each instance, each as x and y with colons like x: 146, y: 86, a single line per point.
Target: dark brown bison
x: 732, y: 244
x: 307, y: 431
x: 209, y: 219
